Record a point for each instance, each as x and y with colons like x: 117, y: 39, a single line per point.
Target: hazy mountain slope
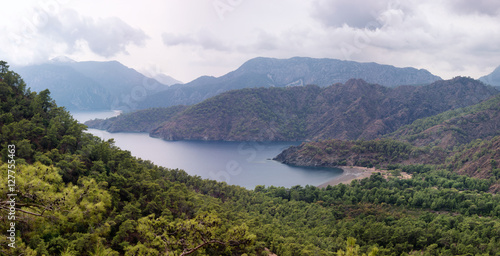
x: 90, y: 84
x: 352, y: 110
x: 270, y: 72
x: 116, y: 77
x: 493, y: 78
x: 68, y: 87
x: 166, y: 80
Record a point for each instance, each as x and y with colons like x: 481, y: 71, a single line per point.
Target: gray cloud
x: 487, y: 7
x: 353, y: 13
x: 105, y: 37
x: 203, y: 39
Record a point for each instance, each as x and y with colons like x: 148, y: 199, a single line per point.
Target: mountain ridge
x: 296, y: 71
x: 343, y: 111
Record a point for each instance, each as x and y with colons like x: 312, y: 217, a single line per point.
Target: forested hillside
x: 349, y: 111
x: 78, y: 195
x: 138, y: 121
x: 464, y: 140
x: 454, y: 127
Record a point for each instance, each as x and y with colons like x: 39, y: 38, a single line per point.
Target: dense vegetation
x: 347, y: 111
x: 454, y: 127
x: 464, y: 140
x: 79, y: 195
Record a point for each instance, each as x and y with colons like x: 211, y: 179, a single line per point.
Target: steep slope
x: 352, y: 110
x: 477, y: 159
x: 166, y: 80
x: 454, y: 127
x: 90, y: 84
x: 465, y: 141
x: 270, y: 72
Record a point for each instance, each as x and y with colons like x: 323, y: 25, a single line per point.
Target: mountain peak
x: 62, y: 59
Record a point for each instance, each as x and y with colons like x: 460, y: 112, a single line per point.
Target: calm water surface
x: 239, y: 163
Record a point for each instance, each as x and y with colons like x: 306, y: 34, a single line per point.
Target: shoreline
x: 350, y: 173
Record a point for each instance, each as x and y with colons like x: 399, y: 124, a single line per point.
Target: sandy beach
x: 357, y: 173
x: 350, y: 173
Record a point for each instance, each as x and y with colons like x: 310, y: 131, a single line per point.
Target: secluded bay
x: 239, y: 163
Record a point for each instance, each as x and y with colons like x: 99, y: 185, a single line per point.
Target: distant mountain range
x: 90, y: 85
x: 95, y: 85
x: 297, y: 71
x: 347, y: 111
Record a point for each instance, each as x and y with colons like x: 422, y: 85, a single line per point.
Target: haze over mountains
x: 90, y: 85
x: 297, y: 71
x: 493, y: 78
x: 95, y: 85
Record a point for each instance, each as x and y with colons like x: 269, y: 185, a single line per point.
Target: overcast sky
x: 189, y: 38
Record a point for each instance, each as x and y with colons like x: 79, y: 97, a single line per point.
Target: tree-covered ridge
x: 454, y: 127
x: 246, y: 114
x: 352, y: 110
x: 464, y: 140
x: 138, y: 121
x: 366, y: 153
x: 91, y: 198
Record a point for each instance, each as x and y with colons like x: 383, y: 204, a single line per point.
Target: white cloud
x: 65, y: 31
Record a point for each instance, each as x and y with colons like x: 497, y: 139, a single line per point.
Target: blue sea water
x: 246, y: 164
